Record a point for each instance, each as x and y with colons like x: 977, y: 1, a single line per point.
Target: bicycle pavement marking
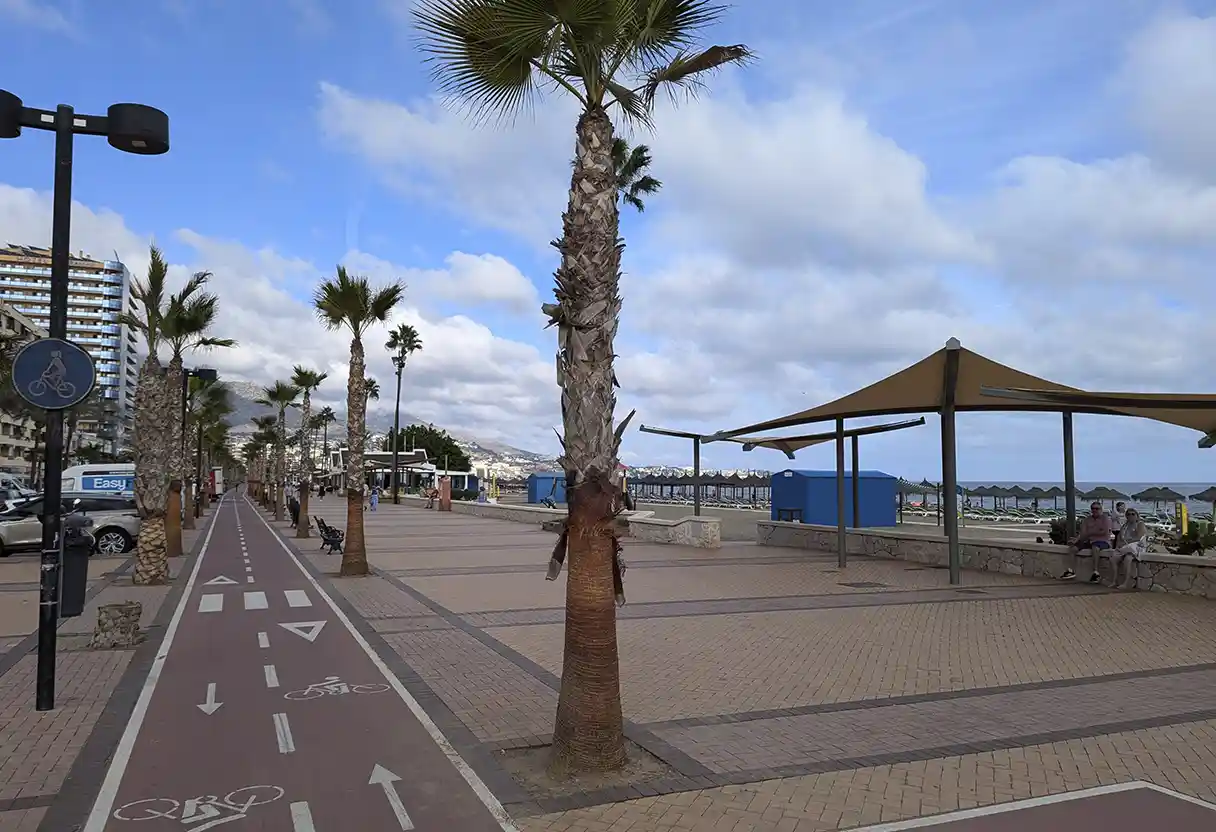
x: 479, y: 787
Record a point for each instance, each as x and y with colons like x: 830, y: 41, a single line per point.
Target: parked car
x: 115, y: 522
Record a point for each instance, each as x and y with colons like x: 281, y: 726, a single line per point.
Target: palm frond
x: 349, y: 301
x: 684, y: 69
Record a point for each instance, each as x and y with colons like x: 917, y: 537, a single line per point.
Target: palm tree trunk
x: 188, y: 488
x: 588, y: 732
x: 152, y: 442
x: 176, y: 460
x: 306, y: 458
x: 280, y: 475
x: 354, y: 550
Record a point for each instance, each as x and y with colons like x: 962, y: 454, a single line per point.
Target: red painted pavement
x: 230, y: 764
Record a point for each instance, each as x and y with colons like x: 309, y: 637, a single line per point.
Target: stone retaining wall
x: 702, y: 532
x: 515, y: 513
x: 1186, y: 574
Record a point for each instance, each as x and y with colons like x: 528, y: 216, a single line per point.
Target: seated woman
x: 1130, y: 544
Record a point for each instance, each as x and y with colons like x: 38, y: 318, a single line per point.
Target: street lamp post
x: 133, y: 128
x: 399, y: 363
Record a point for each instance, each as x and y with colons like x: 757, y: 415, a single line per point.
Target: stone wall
x: 1187, y: 574
x: 702, y: 532
x: 515, y: 513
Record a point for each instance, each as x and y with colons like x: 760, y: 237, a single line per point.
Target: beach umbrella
x: 1037, y: 491
x: 1208, y: 495
x: 1103, y: 492
x: 1055, y: 492
x: 1158, y: 494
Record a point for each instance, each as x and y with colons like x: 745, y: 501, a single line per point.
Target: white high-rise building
x: 99, y: 291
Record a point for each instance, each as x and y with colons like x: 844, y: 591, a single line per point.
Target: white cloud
x: 473, y: 279
x: 37, y: 14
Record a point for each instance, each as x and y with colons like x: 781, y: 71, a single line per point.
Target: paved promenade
x: 764, y: 689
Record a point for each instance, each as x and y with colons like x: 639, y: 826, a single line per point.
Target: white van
x: 108, y: 479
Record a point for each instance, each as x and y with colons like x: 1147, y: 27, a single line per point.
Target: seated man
x: 1094, y: 536
x: 1130, y: 544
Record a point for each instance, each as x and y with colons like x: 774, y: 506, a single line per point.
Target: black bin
x: 74, y: 570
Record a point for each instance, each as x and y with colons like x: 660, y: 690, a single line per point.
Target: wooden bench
x: 331, y: 538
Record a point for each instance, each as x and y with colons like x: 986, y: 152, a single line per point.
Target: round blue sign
x: 53, y: 374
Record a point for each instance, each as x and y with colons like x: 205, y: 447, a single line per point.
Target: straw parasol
x: 1103, y: 492
x: 1208, y: 495
x: 1158, y: 494
x: 1037, y: 491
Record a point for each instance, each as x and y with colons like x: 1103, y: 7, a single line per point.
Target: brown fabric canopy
x: 789, y: 444
x: 918, y: 389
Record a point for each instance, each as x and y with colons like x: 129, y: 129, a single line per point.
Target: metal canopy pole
x: 856, y: 484
x: 696, y: 476
x: 949, y: 459
x: 842, y: 557
x: 1070, y: 478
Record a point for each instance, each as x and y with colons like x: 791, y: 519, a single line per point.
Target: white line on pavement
x: 211, y: 602
x: 475, y: 782
x: 256, y: 601
x: 100, y: 815
x: 282, y: 733
x: 249, y: 579
x: 272, y: 675
x: 297, y: 598
x: 263, y: 640
x: 301, y: 817
x: 248, y: 568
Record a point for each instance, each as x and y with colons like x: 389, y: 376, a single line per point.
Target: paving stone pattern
x: 21, y: 820
x: 844, y: 735
x: 37, y: 749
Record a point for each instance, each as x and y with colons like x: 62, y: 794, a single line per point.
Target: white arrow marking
x: 307, y: 630
x: 219, y: 581
x: 386, y: 780
x: 210, y: 706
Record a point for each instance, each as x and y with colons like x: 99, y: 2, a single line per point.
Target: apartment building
x: 99, y: 291
x: 16, y: 433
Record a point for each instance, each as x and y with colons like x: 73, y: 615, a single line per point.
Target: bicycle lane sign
x: 53, y: 374
x: 201, y: 813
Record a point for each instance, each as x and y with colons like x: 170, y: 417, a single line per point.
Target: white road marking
x: 211, y: 602
x: 210, y: 706
x: 272, y: 675
x: 297, y: 598
x: 99, y: 817
x: 220, y: 580
x: 282, y: 733
x: 248, y: 568
x: 256, y: 601
x: 307, y: 630
x: 1029, y: 803
x: 301, y: 817
x: 386, y: 780
x: 263, y: 640
x: 249, y: 579
x: 483, y: 793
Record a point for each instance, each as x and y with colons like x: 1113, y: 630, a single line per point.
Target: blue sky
x: 885, y: 176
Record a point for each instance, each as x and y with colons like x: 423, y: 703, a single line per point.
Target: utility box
x: 547, y: 484
x: 810, y: 497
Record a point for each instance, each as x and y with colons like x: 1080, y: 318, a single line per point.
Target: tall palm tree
x: 371, y: 390
x: 327, y: 418
x: 211, y: 403
x: 190, y: 315
x: 153, y: 437
x: 266, y: 433
x: 280, y: 395
x: 307, y: 381
x: 403, y: 341
x: 495, y: 55
x: 632, y: 180
x: 350, y: 302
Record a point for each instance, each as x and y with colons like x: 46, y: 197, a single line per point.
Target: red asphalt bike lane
x: 293, y: 734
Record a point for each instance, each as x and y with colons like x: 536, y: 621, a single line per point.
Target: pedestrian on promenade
x: 1130, y: 543
x: 1094, y: 536
x: 374, y: 498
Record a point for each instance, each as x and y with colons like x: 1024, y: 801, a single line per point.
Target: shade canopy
x: 1037, y: 492
x: 1018, y: 492
x: 1055, y: 491
x: 918, y: 389
x: 1208, y: 495
x: 1158, y: 494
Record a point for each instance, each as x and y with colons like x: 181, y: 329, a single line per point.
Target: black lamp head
x: 10, y: 115
x: 136, y: 128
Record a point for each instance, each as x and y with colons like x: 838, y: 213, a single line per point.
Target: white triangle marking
x: 219, y: 581
x: 307, y: 630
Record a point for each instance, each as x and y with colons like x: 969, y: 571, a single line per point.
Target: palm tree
x: 495, y: 55
x: 403, y: 341
x: 632, y: 180
x: 190, y: 315
x: 280, y: 396
x: 210, y: 403
x: 350, y: 302
x: 307, y: 381
x: 155, y: 408
x: 266, y: 433
x: 371, y: 390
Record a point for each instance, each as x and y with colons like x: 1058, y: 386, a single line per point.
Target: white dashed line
x: 248, y: 568
x: 256, y: 601
x: 211, y: 602
x: 301, y: 817
x: 249, y: 579
x: 272, y: 675
x: 297, y: 598
x: 263, y: 640
x: 282, y: 733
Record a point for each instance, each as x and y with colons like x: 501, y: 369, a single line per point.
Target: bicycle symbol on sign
x: 332, y: 686
x: 54, y: 377
x: 208, y: 811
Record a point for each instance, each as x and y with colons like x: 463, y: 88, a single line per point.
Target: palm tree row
x: 181, y: 322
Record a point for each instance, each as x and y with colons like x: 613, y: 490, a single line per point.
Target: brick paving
x: 793, y: 697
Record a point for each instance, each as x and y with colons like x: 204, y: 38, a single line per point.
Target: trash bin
x: 74, y: 568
